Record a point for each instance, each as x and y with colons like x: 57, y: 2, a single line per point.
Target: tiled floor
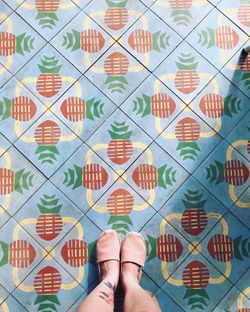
x: 131, y: 115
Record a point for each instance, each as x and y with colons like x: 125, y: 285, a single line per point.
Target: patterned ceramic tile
x: 19, y: 43
x: 5, y: 75
x: 238, y: 70
x: 155, y: 175
x: 238, y: 11
x: 214, y: 2
x: 219, y: 42
x: 19, y: 108
x: 161, y: 261
x: 239, y: 137
x: 48, y: 215
x: 239, y: 210
x: 19, y: 179
x: 182, y: 16
x: 192, y: 211
x: 84, y: 177
x: 48, y: 75
x: 82, y: 3
x: 150, y: 40
x: 227, y: 247
x: 19, y: 254
x: 80, y: 264
x: 115, y: 16
x: 83, y: 108
x: 221, y: 105
x: 14, y: 3
x: 152, y: 106
x: 46, y: 143
x: 48, y: 286
x: 48, y: 18
x: 5, y: 11
x: 4, y: 216
x: 185, y: 72
x: 186, y: 139
x: 117, y: 73
x: 148, y: 3
x: 4, y: 144
x: 8, y: 302
x: 121, y: 209
x: 225, y: 173
x: 233, y: 301
x: 243, y: 284
x: 82, y: 41
x: 119, y: 141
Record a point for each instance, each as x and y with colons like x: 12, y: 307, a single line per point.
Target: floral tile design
x: 238, y: 12
x: 46, y: 143
x: 82, y: 41
x: 221, y: 105
x: 48, y: 75
x: 60, y: 290
x: 8, y: 302
x: 225, y: 172
x: 185, y: 72
x: 150, y: 40
x: 239, y: 137
x: 19, y: 109
x: 220, y: 42
x: 84, y: 177
x: 20, y: 253
x: 83, y: 108
x: 182, y: 16
x: 153, y: 106
x: 19, y: 43
x: 155, y: 175
x: 119, y: 141
x: 117, y: 74
x: 186, y: 139
x: 48, y: 18
x: 238, y: 209
x: 115, y: 16
x: 51, y: 216
x: 19, y: 179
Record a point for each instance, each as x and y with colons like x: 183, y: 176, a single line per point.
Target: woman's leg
x: 136, y: 298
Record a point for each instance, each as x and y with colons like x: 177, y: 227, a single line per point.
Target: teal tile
x: 8, y: 302
x: 243, y: 284
x: 241, y: 208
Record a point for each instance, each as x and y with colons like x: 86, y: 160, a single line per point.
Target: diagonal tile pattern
x: 131, y: 115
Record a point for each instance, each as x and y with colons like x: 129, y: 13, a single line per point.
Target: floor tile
x: 23, y: 43
x: 5, y: 75
x: 77, y: 178
x: 241, y: 208
x: 19, y: 179
x: 20, y: 254
x: 233, y: 301
x: 59, y: 291
x: 119, y: 141
x: 48, y: 19
x: 155, y: 175
x: 185, y: 72
x: 82, y: 41
x: 219, y: 42
x: 150, y: 40
x: 224, y: 172
x: 238, y: 11
x: 121, y: 209
x: 5, y: 144
x: 8, y: 302
x: 46, y: 143
x: 238, y: 70
x: 14, y: 3
x: 48, y: 75
x: 48, y: 216
x: 82, y: 3
x: 83, y: 108
x: 117, y: 73
x: 115, y: 16
x: 161, y: 262
x: 19, y: 109
x: 5, y: 11
x: 153, y: 106
x: 227, y: 247
x: 186, y: 139
x: 192, y: 211
x: 4, y: 216
x: 182, y: 16
x: 239, y: 137
x: 243, y: 284
x: 82, y: 240
x: 221, y: 104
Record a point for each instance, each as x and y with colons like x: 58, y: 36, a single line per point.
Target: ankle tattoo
x: 108, y: 295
